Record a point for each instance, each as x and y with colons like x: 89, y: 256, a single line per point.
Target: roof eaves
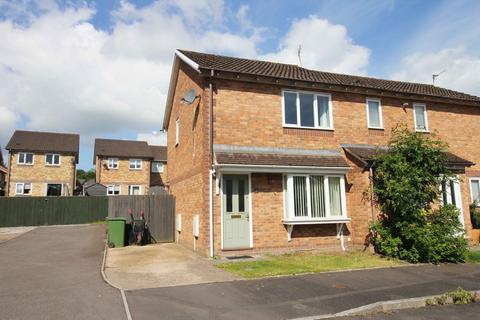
x: 173, y: 83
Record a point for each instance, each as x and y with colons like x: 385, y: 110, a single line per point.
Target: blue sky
x: 101, y: 69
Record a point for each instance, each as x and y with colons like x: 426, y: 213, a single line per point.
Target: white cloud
x: 461, y: 69
x: 156, y: 138
x: 59, y: 73
x: 324, y: 46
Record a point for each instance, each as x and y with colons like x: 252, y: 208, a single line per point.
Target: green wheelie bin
x: 116, y: 232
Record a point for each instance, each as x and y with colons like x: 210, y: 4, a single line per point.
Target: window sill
x: 307, y: 128
x: 25, y: 164
x: 316, y: 221
x: 376, y: 128
x: 422, y: 131
x: 52, y: 165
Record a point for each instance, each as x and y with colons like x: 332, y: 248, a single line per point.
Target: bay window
x: 315, y: 197
x: 307, y: 110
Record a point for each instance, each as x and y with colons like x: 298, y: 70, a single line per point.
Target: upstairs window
x: 315, y: 197
x: 157, y: 167
x: 420, y: 117
x: 475, y: 190
x: 307, y: 110
x: 135, y: 164
x: 177, y: 131
x: 25, y: 158
x: 374, y: 114
x: 52, y: 159
x: 112, y: 163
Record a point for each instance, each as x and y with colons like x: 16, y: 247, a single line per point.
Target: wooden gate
x: 159, y: 213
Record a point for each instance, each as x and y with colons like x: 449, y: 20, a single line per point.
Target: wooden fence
x: 159, y: 213
x: 39, y: 211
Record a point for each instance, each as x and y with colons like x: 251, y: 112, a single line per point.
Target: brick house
x: 3, y: 175
x: 42, y: 163
x: 129, y: 167
x: 274, y: 157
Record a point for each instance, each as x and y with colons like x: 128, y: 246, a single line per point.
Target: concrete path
x: 10, y: 233
x: 54, y: 273
x: 300, y: 296
x: 160, y: 265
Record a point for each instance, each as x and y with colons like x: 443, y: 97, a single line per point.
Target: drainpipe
x: 371, y: 192
x: 211, y: 170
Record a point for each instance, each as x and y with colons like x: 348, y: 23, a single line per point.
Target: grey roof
x: 122, y: 148
x: 293, y: 72
x: 37, y: 141
x: 159, y: 153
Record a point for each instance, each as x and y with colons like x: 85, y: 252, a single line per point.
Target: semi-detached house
x: 272, y: 157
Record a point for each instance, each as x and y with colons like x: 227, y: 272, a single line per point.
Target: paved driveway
x: 54, y: 273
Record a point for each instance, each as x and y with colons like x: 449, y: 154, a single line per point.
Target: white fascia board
x: 173, y: 83
x: 224, y: 168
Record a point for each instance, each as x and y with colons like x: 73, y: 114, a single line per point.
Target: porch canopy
x: 230, y: 158
x: 365, y: 154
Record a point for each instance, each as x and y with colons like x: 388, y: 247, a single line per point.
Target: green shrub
x: 475, y: 215
x: 406, y: 183
x: 461, y: 296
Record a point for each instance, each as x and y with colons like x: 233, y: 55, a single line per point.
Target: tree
x: 406, y: 186
x: 85, y: 175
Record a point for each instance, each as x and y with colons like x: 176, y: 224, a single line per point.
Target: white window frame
x: 289, y: 212
x: 53, y: 158
x: 24, y: 163
x: 471, y: 189
x: 157, y: 171
x: 23, y: 188
x: 112, y: 163
x: 130, y: 187
x: 425, y: 114
x: 370, y: 126
x: 177, y: 131
x: 112, y: 186
x: 315, y: 109
x: 135, y: 163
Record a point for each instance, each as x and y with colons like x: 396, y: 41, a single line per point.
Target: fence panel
x: 39, y: 211
x: 159, y: 213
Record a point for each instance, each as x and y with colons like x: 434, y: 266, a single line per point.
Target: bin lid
x: 116, y: 219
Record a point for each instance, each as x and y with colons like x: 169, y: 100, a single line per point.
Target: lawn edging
x: 385, y: 306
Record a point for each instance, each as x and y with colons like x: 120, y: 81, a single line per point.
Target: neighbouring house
x: 128, y: 167
x: 42, y: 163
x: 273, y: 157
x: 3, y: 175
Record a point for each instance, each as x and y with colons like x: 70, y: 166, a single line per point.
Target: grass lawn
x: 473, y: 256
x: 298, y: 263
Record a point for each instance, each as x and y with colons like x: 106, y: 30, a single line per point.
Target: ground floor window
x: 134, y: 190
x: 475, y: 189
x: 113, y: 190
x: 54, y: 189
x: 23, y: 188
x: 314, y: 197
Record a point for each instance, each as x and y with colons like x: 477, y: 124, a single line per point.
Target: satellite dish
x: 189, y: 97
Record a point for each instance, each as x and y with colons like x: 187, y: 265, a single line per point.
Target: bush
x: 475, y: 215
x: 406, y: 180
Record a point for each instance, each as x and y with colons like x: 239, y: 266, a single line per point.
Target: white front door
x: 451, y: 194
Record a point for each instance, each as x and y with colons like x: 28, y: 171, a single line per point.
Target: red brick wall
x: 187, y: 175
